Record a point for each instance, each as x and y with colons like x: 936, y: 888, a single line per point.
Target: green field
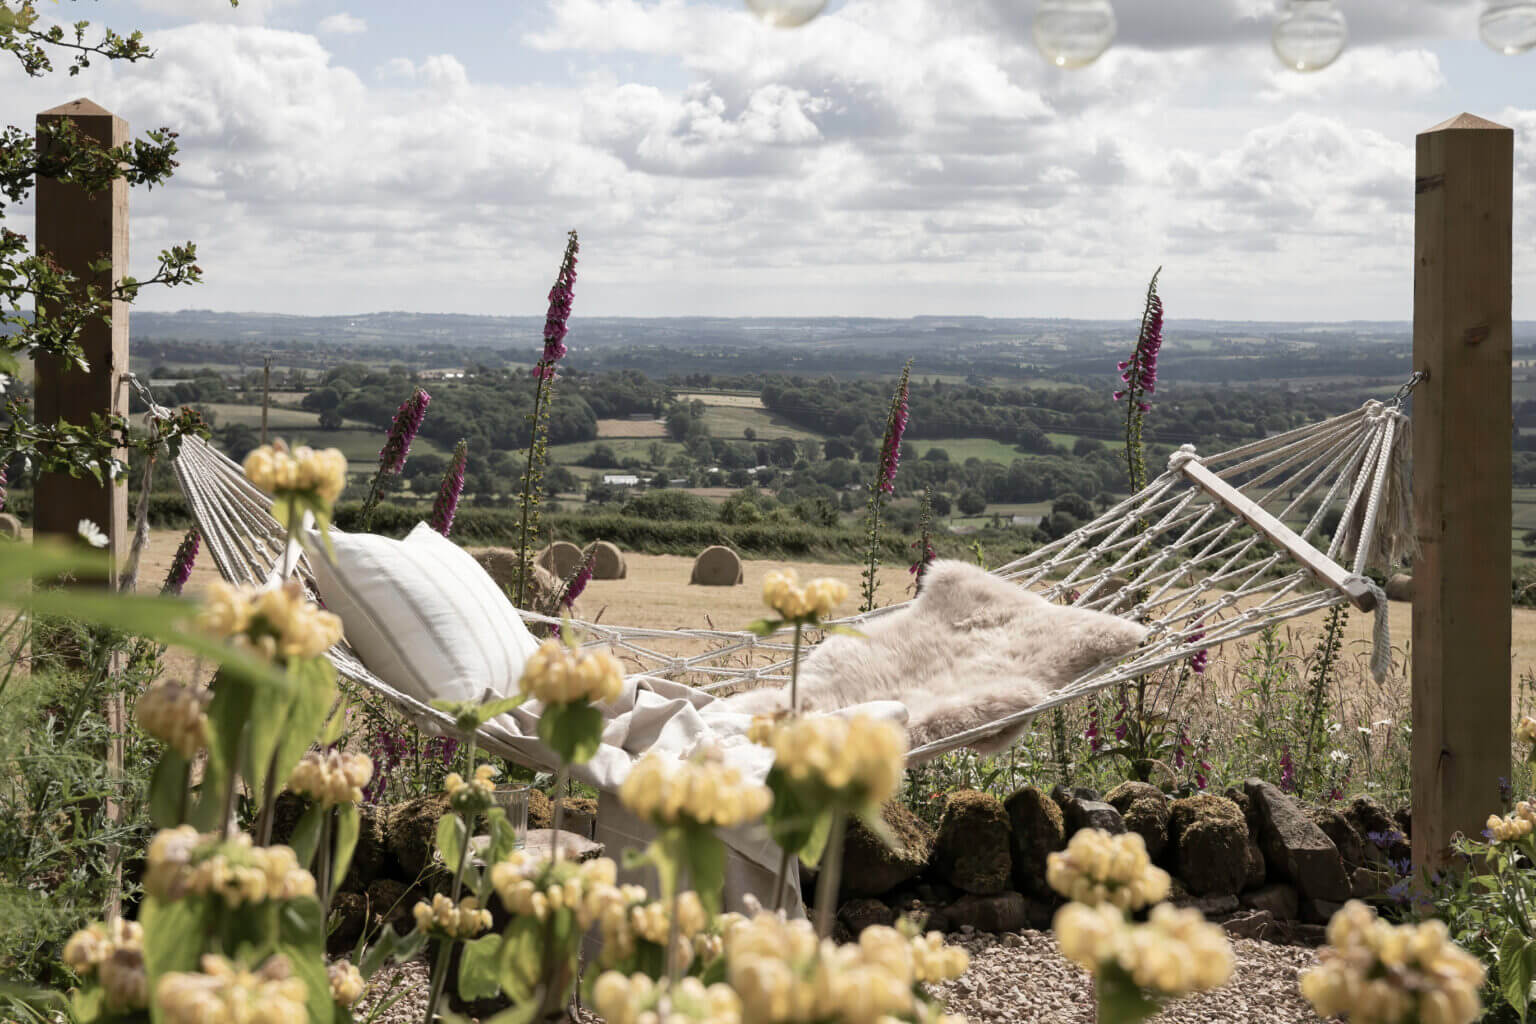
x: 227, y: 413
x: 732, y: 421
x: 962, y: 448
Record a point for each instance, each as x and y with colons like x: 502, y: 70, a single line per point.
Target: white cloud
x: 341, y: 24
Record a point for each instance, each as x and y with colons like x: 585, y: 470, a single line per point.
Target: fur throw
x: 970, y: 650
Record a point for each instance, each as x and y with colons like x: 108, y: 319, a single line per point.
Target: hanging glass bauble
x: 1508, y: 27
x: 1310, y: 34
x: 1074, y: 33
x: 786, y: 13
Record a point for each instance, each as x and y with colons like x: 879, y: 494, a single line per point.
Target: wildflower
x: 181, y: 565
x: 1098, y: 868
x: 91, y: 534
x: 669, y: 791
x: 556, y: 674
x: 812, y: 603
x: 331, y: 778
x: 114, y: 952
x: 1139, y: 373
x: 1174, y: 953
x: 3, y: 494
x: 176, y: 715
x: 1287, y: 771
x: 1512, y: 827
x: 447, y: 502
x: 536, y: 887
x: 475, y: 795
x: 403, y: 431
x: 1091, y: 734
x: 1374, y: 971
x: 182, y: 862
x: 578, y: 582
x: 302, y: 472
x: 224, y: 994
x: 924, y: 560
x: 895, y: 427
x: 1201, y: 658
x: 276, y: 623
x: 1525, y: 732
x: 860, y: 758
x: 639, y: 1000
x: 555, y: 320
x: 346, y: 982
x: 628, y: 916
x: 442, y: 917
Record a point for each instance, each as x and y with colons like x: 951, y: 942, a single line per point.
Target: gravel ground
x: 1020, y: 978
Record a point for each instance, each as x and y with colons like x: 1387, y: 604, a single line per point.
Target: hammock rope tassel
x: 1381, y: 632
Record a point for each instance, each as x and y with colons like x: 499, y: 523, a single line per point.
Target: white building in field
x: 621, y: 480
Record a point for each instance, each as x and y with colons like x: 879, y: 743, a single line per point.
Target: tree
x: 941, y: 503
x: 1074, y: 505
x: 972, y: 502
x: 330, y: 419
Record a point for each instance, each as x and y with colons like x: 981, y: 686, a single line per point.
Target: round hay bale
x: 10, y: 527
x: 607, y: 561
x: 501, y: 565
x: 1400, y: 587
x: 717, y: 566
x: 561, y: 558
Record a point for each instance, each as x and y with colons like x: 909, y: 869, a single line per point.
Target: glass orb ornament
x: 1508, y: 27
x: 786, y: 13
x: 1310, y: 34
x: 1074, y: 33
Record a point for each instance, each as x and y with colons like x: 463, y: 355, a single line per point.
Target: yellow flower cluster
x: 273, y: 622
x: 865, y: 755
x: 639, y: 1000
x: 815, y: 601
x: 114, y: 952
x: 331, y: 778
x: 276, y: 470
x: 225, y: 994
x: 1525, y: 732
x: 474, y: 795
x: 782, y: 972
x: 1097, y: 867
x: 1513, y: 827
x: 1378, y: 973
x: 464, y: 921
x: 535, y: 887
x: 669, y: 791
x: 1174, y: 953
x: 174, y: 714
x: 628, y: 915
x: 555, y: 674
x: 346, y: 982
x: 180, y: 861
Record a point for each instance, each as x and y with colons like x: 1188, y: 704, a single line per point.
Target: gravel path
x: 1020, y: 978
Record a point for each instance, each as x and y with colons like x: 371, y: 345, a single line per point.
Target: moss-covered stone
x: 541, y: 810
x: 1127, y: 793
x: 410, y: 832
x: 1147, y: 816
x: 870, y: 868
x: 972, y: 851
x: 1037, y: 829
x: 1209, y: 840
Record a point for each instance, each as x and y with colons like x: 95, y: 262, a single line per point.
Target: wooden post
x: 76, y: 229
x: 1462, y: 421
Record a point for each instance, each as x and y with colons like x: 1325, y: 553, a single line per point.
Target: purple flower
x: 578, y: 583
x: 560, y: 297
x: 1287, y: 771
x: 448, y: 494
x: 1506, y: 791
x: 2, y: 487
x: 1139, y: 373
x: 1200, y: 658
x: 923, y: 560
x: 1091, y: 734
x: 895, y: 426
x: 181, y: 565
x: 403, y: 431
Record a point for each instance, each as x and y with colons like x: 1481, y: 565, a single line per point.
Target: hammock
x: 1214, y: 549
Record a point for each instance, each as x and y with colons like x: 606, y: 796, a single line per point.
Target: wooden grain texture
x: 1461, y: 457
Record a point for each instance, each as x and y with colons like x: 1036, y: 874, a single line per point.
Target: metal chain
x: 1417, y: 378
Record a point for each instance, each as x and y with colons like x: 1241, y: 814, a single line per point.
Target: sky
x: 891, y: 158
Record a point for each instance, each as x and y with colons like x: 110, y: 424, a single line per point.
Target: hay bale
x: 501, y: 565
x: 717, y: 566
x: 561, y: 558
x: 1400, y: 587
x: 607, y: 561
x: 10, y: 527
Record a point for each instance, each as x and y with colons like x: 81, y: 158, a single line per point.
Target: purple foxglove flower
x: 447, y: 502
x: 1287, y: 771
x: 578, y: 583
x: 895, y: 427
x: 1198, y: 660
x: 2, y: 488
x: 403, y: 431
x: 181, y: 565
x: 560, y: 297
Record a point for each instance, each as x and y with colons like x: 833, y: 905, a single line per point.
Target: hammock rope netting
x: 1214, y: 549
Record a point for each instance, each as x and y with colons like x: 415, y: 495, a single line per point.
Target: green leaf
x: 572, y: 731
x: 522, y: 955
x: 262, y: 738
x: 348, y: 825
x: 390, y: 945
x: 478, y: 963
x: 503, y: 836
x: 1517, y: 958
x: 765, y: 627
x: 173, y: 935
x: 168, y: 790
x: 1121, y: 1001
x: 228, y: 713
x: 845, y: 631
x: 705, y: 853
x: 336, y: 725
x: 314, y: 682
x: 306, y: 834
x: 873, y: 818
x: 516, y: 1015
x: 451, y: 837
x: 88, y: 1005
x: 816, y: 844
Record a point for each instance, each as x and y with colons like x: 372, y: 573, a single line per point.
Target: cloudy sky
x: 892, y: 158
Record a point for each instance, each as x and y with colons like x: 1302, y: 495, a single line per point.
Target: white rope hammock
x: 1213, y: 550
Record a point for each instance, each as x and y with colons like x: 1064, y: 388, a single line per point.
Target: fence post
x: 1461, y: 480
x: 77, y: 228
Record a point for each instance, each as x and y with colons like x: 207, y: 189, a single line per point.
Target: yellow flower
x: 668, y: 791
x: 181, y: 862
x: 1174, y: 953
x: 556, y: 674
x: 537, y: 887
x: 174, y: 714
x: 275, y: 623
x: 303, y: 471
x: 332, y: 777
x: 1097, y: 867
x: 858, y: 756
x: 474, y: 795
x: 114, y: 952
x: 346, y: 982
x: 442, y: 917
x: 637, y: 999
x: 1381, y: 973
x: 225, y: 994
x: 813, y: 602
x: 1525, y: 732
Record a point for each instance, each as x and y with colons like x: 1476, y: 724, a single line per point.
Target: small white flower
x: 91, y: 534
x: 1337, y: 756
x: 1382, y: 722
x: 5, y: 382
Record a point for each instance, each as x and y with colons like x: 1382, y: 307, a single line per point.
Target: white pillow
x: 423, y: 615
